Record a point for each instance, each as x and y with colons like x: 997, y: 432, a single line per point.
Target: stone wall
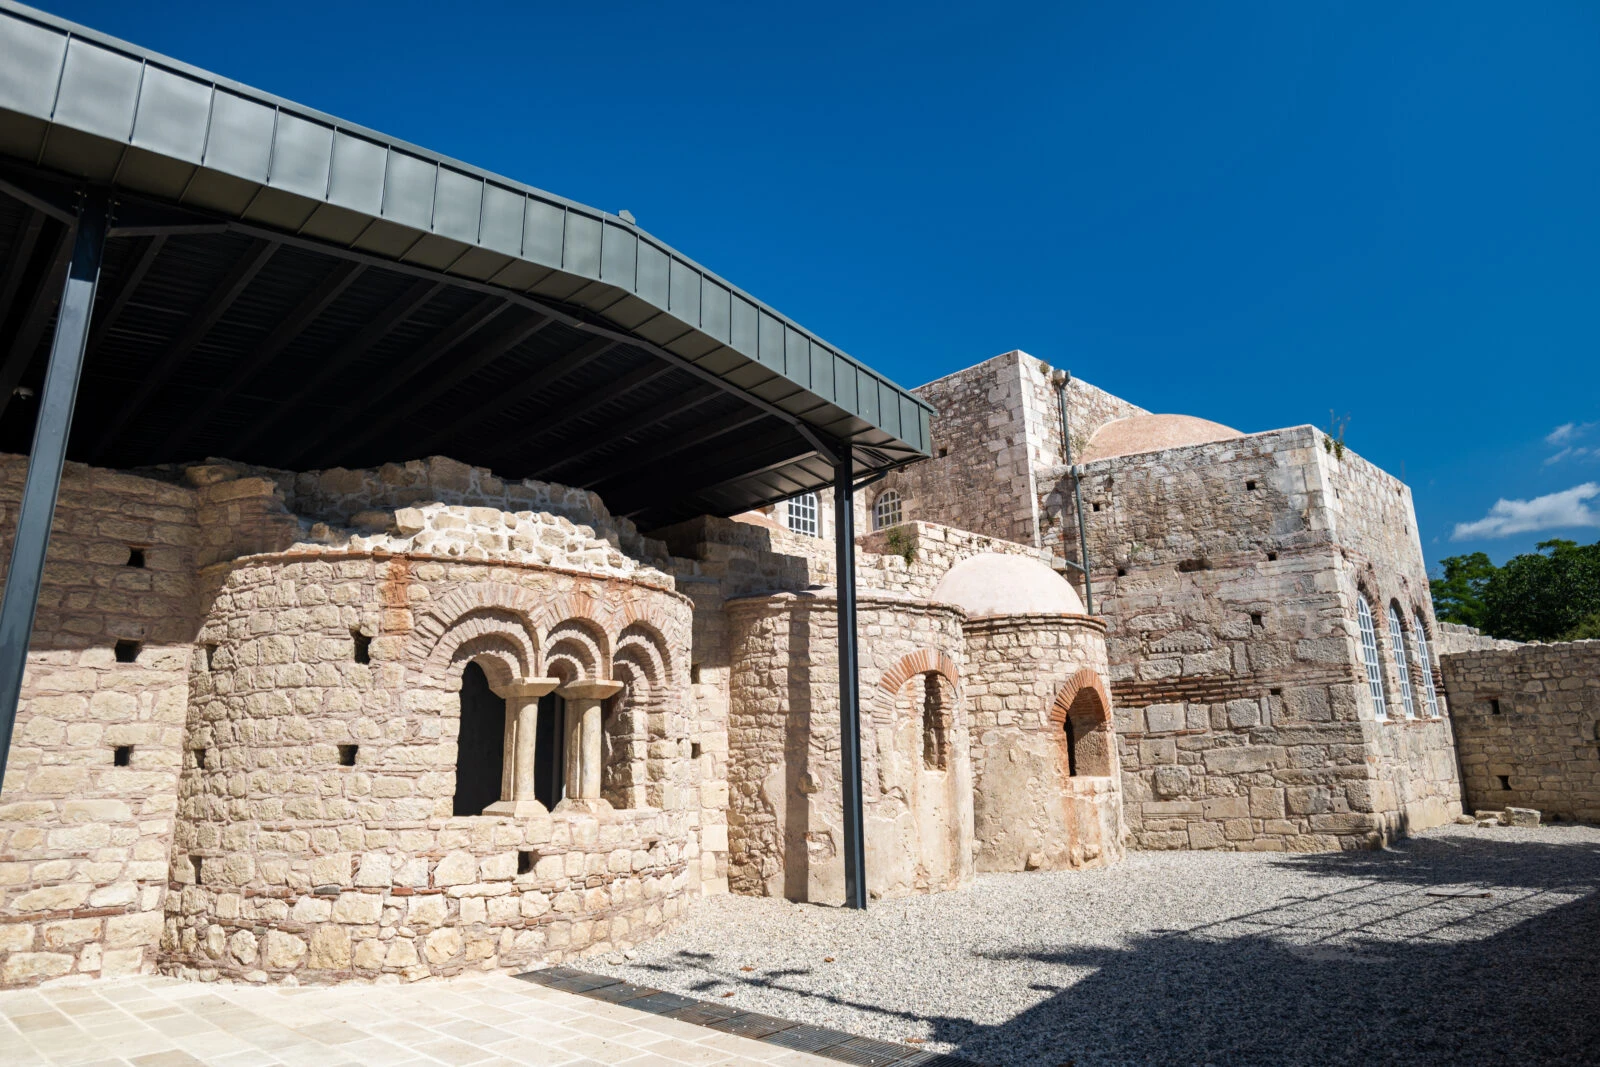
x: 785, y: 808
x: 1034, y: 806
x: 1527, y: 722
x: 86, y: 819
x: 1453, y: 637
x: 1233, y: 658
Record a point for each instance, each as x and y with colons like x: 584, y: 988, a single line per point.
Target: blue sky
x: 1257, y: 213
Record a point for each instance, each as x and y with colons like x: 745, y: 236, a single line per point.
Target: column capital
x: 589, y: 689
x: 530, y: 688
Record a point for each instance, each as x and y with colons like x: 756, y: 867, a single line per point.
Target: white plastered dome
x: 998, y: 584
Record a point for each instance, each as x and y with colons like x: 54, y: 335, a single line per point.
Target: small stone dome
x: 1152, y: 433
x: 997, y: 584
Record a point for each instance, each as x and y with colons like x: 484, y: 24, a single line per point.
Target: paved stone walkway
x: 487, y: 1020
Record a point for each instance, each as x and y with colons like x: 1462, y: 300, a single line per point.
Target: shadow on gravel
x: 1441, y: 952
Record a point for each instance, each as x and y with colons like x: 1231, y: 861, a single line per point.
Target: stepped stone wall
x: 1527, y: 721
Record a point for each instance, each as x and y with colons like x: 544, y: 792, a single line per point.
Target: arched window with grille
x: 801, y: 516
x: 1369, y: 655
x: 1425, y: 665
x: 1397, y: 641
x: 886, y: 509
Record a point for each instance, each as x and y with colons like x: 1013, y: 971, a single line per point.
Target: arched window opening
x: 1425, y: 665
x: 935, y: 724
x: 480, y: 746
x: 549, y: 757
x: 1397, y: 641
x: 801, y: 515
x: 1086, y: 736
x: 1072, y: 748
x: 886, y: 509
x: 1369, y: 655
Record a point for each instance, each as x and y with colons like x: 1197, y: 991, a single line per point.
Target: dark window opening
x: 347, y: 755
x: 211, y: 657
x: 694, y: 750
x: 1122, y: 572
x: 1250, y: 486
x: 943, y: 451
x: 1257, y: 619
x: 126, y: 651
x: 1276, y: 692
x: 1505, y: 781
x: 1097, y: 505
x: 480, y: 746
x: 135, y: 557
x: 1072, y: 748
x: 122, y: 755
x: 200, y: 758
x: 548, y: 754
x: 363, y: 647
x: 525, y: 862
x: 694, y: 674
x: 1494, y: 705
x: 195, y: 862
x: 935, y: 724
x: 1272, y: 557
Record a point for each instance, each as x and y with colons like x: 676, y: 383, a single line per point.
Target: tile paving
x: 488, y: 1020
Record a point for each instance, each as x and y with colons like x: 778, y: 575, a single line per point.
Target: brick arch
x: 1083, y: 696
x: 471, y: 611
x: 922, y: 661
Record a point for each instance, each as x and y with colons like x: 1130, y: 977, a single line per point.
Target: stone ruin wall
x: 785, y: 807
x: 1527, y: 723
x: 1374, y: 524
x: 1453, y: 637
x: 84, y: 842
x: 1231, y: 648
x: 1028, y: 813
x: 242, y: 727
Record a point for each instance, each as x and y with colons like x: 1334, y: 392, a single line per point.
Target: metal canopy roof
x: 289, y: 289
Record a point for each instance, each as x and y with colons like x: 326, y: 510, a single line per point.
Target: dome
x: 1152, y: 433
x: 997, y: 584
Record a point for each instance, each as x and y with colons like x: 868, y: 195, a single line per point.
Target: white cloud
x: 1567, y: 431
x: 1553, y: 511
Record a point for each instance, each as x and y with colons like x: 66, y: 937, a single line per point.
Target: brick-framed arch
x: 489, y: 614
x: 906, y: 668
x: 1083, y: 696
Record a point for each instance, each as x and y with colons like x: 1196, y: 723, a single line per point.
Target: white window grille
x: 1369, y: 653
x: 1425, y: 665
x: 802, y: 515
x: 1397, y: 641
x: 886, y: 509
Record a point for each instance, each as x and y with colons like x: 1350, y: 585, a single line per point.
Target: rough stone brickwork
x: 1227, y: 573
x: 1454, y: 637
x: 1033, y: 807
x: 1527, y: 723
x: 785, y: 807
x: 86, y: 820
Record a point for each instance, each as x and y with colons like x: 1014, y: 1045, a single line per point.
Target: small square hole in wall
x: 1272, y: 557
x: 1097, y: 506
x: 200, y: 758
x: 525, y: 862
x: 694, y: 673
x: 943, y: 451
x: 1276, y: 692
x: 196, y: 862
x: 347, y: 755
x: 126, y: 651
x: 1505, y: 781
x: 135, y: 557
x: 362, y: 646
x: 1494, y: 705
x: 1257, y: 619
x: 694, y: 750
x: 1122, y: 572
x: 1250, y: 486
x: 122, y: 755
x: 211, y: 657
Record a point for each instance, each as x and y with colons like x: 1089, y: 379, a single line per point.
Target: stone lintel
x: 589, y: 690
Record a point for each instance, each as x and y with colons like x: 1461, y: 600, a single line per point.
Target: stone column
x: 583, y: 742
x: 522, y: 730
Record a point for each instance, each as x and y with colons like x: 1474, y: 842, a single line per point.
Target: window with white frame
x: 1369, y: 653
x: 1397, y: 641
x: 886, y: 509
x: 801, y: 515
x: 1425, y: 665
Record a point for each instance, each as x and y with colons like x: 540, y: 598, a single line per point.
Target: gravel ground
x: 1458, y: 946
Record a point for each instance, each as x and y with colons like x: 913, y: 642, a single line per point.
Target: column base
x: 517, y: 809
x: 596, y: 806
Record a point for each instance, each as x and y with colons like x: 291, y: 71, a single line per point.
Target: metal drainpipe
x: 1077, y: 491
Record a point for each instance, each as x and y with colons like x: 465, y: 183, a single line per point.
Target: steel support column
x: 844, y: 548
x: 45, y: 461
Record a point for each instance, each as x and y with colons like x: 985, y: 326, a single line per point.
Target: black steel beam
x: 750, y: 465
x: 46, y: 459
x: 238, y: 278
x: 526, y: 389
x: 629, y: 461
x: 30, y: 331
x: 361, y: 339
x: 635, y: 423
x: 844, y: 569
x: 489, y: 350
x: 289, y: 327
x: 649, y: 484
x: 613, y: 391
x: 125, y: 287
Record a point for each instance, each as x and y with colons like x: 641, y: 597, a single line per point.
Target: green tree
x: 1587, y: 630
x: 1458, y: 596
x: 1543, y: 595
